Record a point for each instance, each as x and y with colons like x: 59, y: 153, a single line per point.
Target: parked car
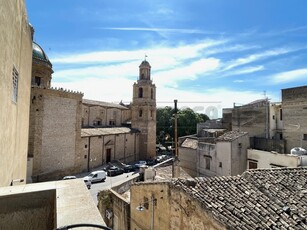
x: 129, y: 168
x: 96, y: 176
x: 87, y: 182
x: 118, y: 164
x: 114, y: 171
x: 138, y: 164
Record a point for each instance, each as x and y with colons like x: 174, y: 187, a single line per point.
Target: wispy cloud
x: 247, y: 70
x: 258, y: 56
x: 180, y: 52
x: 289, y: 76
x: 188, y: 72
x: 160, y: 30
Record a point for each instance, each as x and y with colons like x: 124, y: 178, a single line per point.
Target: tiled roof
x: 231, y: 135
x: 258, y: 199
x: 189, y: 143
x: 105, y: 131
x: 103, y: 104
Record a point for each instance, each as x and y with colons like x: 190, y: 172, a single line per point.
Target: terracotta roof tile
x: 258, y: 199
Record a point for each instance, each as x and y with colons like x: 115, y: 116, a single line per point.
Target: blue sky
x: 205, y: 53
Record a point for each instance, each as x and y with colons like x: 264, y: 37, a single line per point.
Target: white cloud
x: 180, y: 52
x: 289, y: 76
x: 247, y: 70
x: 256, y: 57
x: 187, y: 72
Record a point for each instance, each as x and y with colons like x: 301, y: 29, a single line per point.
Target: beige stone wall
x: 93, y: 115
x: 294, y: 114
x: 172, y: 209
x: 252, y: 118
x: 188, y: 160
x: 146, y: 121
x: 55, y: 136
x: 94, y: 149
x: 16, y: 51
x: 206, y: 151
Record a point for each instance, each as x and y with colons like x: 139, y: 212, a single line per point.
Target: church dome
x: 39, y: 53
x: 145, y: 63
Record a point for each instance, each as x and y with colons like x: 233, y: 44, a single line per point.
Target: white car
x: 88, y: 183
x: 138, y: 164
x: 96, y: 176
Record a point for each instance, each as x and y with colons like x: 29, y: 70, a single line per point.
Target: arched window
x: 140, y: 92
x: 140, y: 113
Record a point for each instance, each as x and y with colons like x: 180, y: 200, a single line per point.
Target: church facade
x: 69, y: 134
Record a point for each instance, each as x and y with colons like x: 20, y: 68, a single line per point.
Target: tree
x: 187, y: 122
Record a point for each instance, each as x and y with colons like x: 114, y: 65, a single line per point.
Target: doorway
x: 108, y: 153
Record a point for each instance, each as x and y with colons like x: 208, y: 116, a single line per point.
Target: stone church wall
x: 56, y: 118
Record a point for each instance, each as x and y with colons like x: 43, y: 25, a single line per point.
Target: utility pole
x: 176, y: 169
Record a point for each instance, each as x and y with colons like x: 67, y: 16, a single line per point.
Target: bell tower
x: 143, y: 110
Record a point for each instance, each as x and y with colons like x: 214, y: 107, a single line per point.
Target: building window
x: 111, y: 122
x: 207, y: 159
x: 220, y: 164
x: 280, y: 136
x: 152, y: 94
x: 140, y: 92
x: 280, y: 114
x: 15, y: 77
x: 273, y: 117
x: 252, y: 164
x: 140, y: 113
x: 305, y: 137
x: 37, y: 81
x: 85, y: 146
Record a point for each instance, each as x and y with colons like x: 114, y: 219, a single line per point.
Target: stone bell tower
x: 143, y: 109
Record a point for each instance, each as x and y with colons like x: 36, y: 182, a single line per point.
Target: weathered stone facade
x: 15, y: 87
x: 143, y: 111
x: 69, y: 134
x: 102, y: 114
x: 167, y: 208
x: 294, y: 116
x: 102, y: 145
x: 55, y: 133
x: 252, y: 118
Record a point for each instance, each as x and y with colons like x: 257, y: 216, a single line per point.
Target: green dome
x: 39, y: 53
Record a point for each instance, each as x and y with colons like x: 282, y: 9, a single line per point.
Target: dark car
x: 118, y: 164
x: 114, y: 171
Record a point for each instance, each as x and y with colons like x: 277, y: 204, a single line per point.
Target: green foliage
x: 187, y: 121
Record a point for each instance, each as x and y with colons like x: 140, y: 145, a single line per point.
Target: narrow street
x: 110, y: 182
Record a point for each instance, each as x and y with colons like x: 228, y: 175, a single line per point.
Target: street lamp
x: 141, y: 208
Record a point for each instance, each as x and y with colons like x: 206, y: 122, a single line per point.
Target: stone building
x: 294, y: 116
x: 257, y: 199
x: 69, y: 134
x: 264, y: 159
x: 55, y: 124
x: 143, y: 111
x: 226, y: 157
x: 214, y: 153
x: 15, y: 87
x: 102, y: 145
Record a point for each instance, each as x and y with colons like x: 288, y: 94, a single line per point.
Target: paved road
x: 110, y: 182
